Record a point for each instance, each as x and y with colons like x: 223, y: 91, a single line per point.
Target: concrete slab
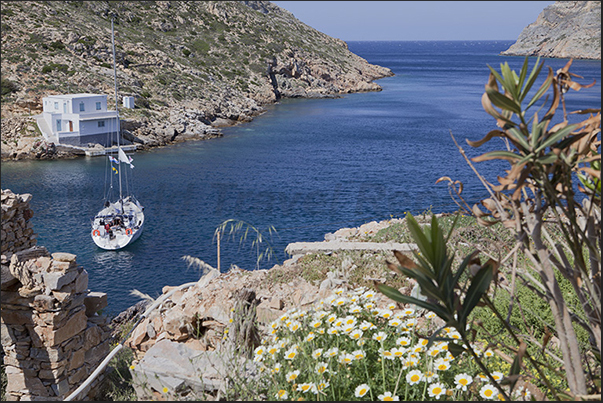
x: 302, y: 248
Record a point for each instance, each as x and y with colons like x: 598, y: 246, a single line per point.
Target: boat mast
x: 116, y: 110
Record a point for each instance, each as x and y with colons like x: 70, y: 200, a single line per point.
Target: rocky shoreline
x: 565, y: 29
x: 190, y: 77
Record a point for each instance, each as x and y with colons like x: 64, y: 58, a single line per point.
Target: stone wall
x: 52, y: 335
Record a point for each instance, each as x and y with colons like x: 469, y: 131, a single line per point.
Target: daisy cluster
x: 348, y: 348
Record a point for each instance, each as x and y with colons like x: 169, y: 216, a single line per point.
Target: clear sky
x: 417, y: 20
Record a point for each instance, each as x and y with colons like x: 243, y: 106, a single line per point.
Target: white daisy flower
x: 315, y: 324
x: 417, y: 348
x: 410, y: 323
x: 338, y: 322
x: 366, y: 326
x: 403, y: 341
x: 441, y: 365
x: 497, y: 375
x: 310, y: 336
x: 317, y: 353
x: 368, y: 295
x: 341, y: 301
x: 291, y: 353
x: 277, y: 368
x: 436, y: 390
x: 385, y: 313
x: 387, y: 354
x: 361, y: 390
x: 387, y: 397
x: 332, y: 352
x: 291, y: 376
x: 282, y: 394
x: 413, y: 377
x: 346, y: 358
x: 462, y: 381
x: 397, y: 352
x: 356, y: 334
x: 320, y: 314
x: 358, y: 354
x: 259, y: 351
x: 306, y: 387
x: 380, y: 336
x: 321, y: 368
x: 322, y: 385
x: 488, y: 392
x: 355, y: 309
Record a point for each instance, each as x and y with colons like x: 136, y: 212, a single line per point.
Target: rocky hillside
x: 192, y: 66
x: 566, y: 29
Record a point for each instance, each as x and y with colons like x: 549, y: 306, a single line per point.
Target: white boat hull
x: 124, y: 234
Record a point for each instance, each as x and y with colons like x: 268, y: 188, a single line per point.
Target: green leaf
x: 516, y: 366
x: 492, y: 155
x: 496, y: 75
x: 518, y: 137
x: 533, y: 76
x: 502, y: 101
x: 547, y: 159
x: 537, y: 128
x: 522, y: 76
x: 463, y: 266
x: 555, y: 137
x: 456, y: 350
x: 543, y: 88
x: 479, y: 285
x: 419, y: 237
x: 396, y: 295
x: 509, y: 84
x: 428, y: 288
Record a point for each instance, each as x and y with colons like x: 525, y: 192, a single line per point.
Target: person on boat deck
x: 108, y: 230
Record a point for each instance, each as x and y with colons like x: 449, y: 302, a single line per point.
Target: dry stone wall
x: 52, y: 335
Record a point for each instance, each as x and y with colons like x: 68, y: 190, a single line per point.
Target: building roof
x: 72, y: 96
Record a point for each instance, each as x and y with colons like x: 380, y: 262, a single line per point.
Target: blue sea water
x: 306, y: 167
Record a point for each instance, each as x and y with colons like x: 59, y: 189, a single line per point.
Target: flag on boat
x: 115, y: 170
x: 112, y: 159
x: 124, y: 158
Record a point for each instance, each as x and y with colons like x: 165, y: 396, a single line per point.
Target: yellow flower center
x: 437, y: 390
x: 414, y: 378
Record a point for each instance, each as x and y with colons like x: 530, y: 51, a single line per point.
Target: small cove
x: 306, y: 167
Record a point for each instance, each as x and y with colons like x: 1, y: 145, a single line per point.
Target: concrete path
x: 301, y: 248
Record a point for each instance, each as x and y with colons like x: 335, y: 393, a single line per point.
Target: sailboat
x: 119, y: 223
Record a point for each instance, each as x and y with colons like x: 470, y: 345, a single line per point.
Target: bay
x: 306, y: 167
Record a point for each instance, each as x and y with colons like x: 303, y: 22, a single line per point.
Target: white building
x: 78, y: 119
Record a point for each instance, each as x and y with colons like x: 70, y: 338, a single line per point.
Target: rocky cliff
x: 192, y: 67
x: 566, y: 29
